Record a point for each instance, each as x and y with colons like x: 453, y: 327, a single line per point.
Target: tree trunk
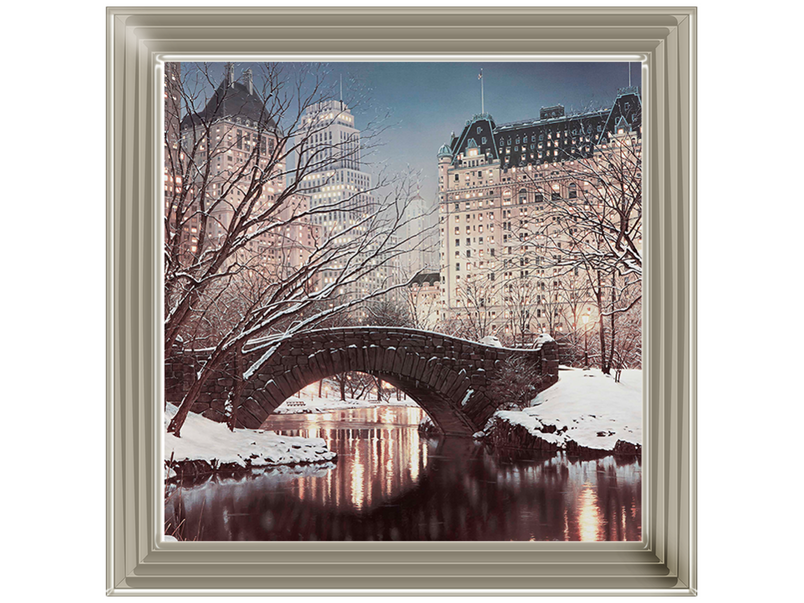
x: 599, y: 298
x: 613, y: 338
x: 195, y: 389
x: 238, y: 389
x: 186, y: 404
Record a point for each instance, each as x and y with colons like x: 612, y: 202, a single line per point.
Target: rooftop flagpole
x: 482, y: 99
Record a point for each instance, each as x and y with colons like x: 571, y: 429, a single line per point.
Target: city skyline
x: 421, y: 103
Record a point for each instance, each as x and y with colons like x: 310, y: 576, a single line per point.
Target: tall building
x: 224, y: 148
x: 499, y: 186
x: 341, y: 190
x: 421, y: 235
x: 180, y: 223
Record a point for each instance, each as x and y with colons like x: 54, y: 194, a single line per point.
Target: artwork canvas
x: 403, y: 301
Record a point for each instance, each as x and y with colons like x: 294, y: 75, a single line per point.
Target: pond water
x: 390, y: 483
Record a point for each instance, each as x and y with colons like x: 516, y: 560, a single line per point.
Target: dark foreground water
x: 388, y: 483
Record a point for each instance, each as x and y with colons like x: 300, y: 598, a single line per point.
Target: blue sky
x: 426, y: 101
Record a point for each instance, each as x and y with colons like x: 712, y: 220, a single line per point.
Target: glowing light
x: 589, y: 521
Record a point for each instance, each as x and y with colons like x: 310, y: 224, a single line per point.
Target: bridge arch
x: 445, y: 375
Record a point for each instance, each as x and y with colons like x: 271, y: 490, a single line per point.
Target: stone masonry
x: 446, y: 376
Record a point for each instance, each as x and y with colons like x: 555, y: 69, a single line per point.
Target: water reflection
x: 390, y: 484
x: 380, y: 445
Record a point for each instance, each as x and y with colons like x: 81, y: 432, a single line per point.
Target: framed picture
x: 377, y: 315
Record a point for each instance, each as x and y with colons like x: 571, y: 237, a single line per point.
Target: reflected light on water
x: 358, y: 494
x: 589, y: 514
x: 389, y: 483
x: 381, y: 445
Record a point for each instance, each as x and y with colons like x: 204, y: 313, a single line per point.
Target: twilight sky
x: 424, y: 102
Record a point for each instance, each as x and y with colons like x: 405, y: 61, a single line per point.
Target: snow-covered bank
x: 206, y: 446
x: 586, y: 412
x: 315, y: 405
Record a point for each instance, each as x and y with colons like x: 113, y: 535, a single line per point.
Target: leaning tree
x: 248, y: 256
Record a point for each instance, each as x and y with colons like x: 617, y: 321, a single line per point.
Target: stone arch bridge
x: 448, y: 377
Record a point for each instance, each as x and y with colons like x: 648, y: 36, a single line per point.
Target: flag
x: 480, y: 75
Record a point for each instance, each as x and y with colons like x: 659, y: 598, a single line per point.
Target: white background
x: 750, y: 315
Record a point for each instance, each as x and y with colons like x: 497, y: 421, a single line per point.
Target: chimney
x: 249, y: 80
x: 229, y: 71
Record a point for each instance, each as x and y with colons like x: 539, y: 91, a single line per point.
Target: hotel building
x: 494, y: 214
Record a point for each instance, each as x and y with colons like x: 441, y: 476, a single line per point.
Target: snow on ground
x: 587, y: 407
x: 205, y: 440
x: 305, y: 404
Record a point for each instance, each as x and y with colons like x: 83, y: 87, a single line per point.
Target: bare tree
x: 515, y: 383
x: 386, y: 311
x: 422, y: 300
x: 594, y: 228
x: 477, y: 318
x: 624, y: 323
x: 521, y: 297
x: 237, y: 219
x: 576, y: 313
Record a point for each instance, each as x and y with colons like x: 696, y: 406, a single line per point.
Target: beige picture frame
x: 139, y: 41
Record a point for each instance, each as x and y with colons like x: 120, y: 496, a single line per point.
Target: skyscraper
x: 341, y: 190
x: 421, y: 236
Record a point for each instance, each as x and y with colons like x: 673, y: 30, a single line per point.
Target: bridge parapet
x: 447, y: 376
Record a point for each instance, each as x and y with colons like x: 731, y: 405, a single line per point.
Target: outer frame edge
x: 116, y: 546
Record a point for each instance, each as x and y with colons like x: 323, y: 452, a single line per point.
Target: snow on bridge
x: 445, y: 375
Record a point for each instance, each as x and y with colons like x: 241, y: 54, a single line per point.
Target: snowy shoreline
x: 586, y: 413
x: 209, y: 447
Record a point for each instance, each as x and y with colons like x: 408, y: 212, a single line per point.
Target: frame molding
x: 138, y: 562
